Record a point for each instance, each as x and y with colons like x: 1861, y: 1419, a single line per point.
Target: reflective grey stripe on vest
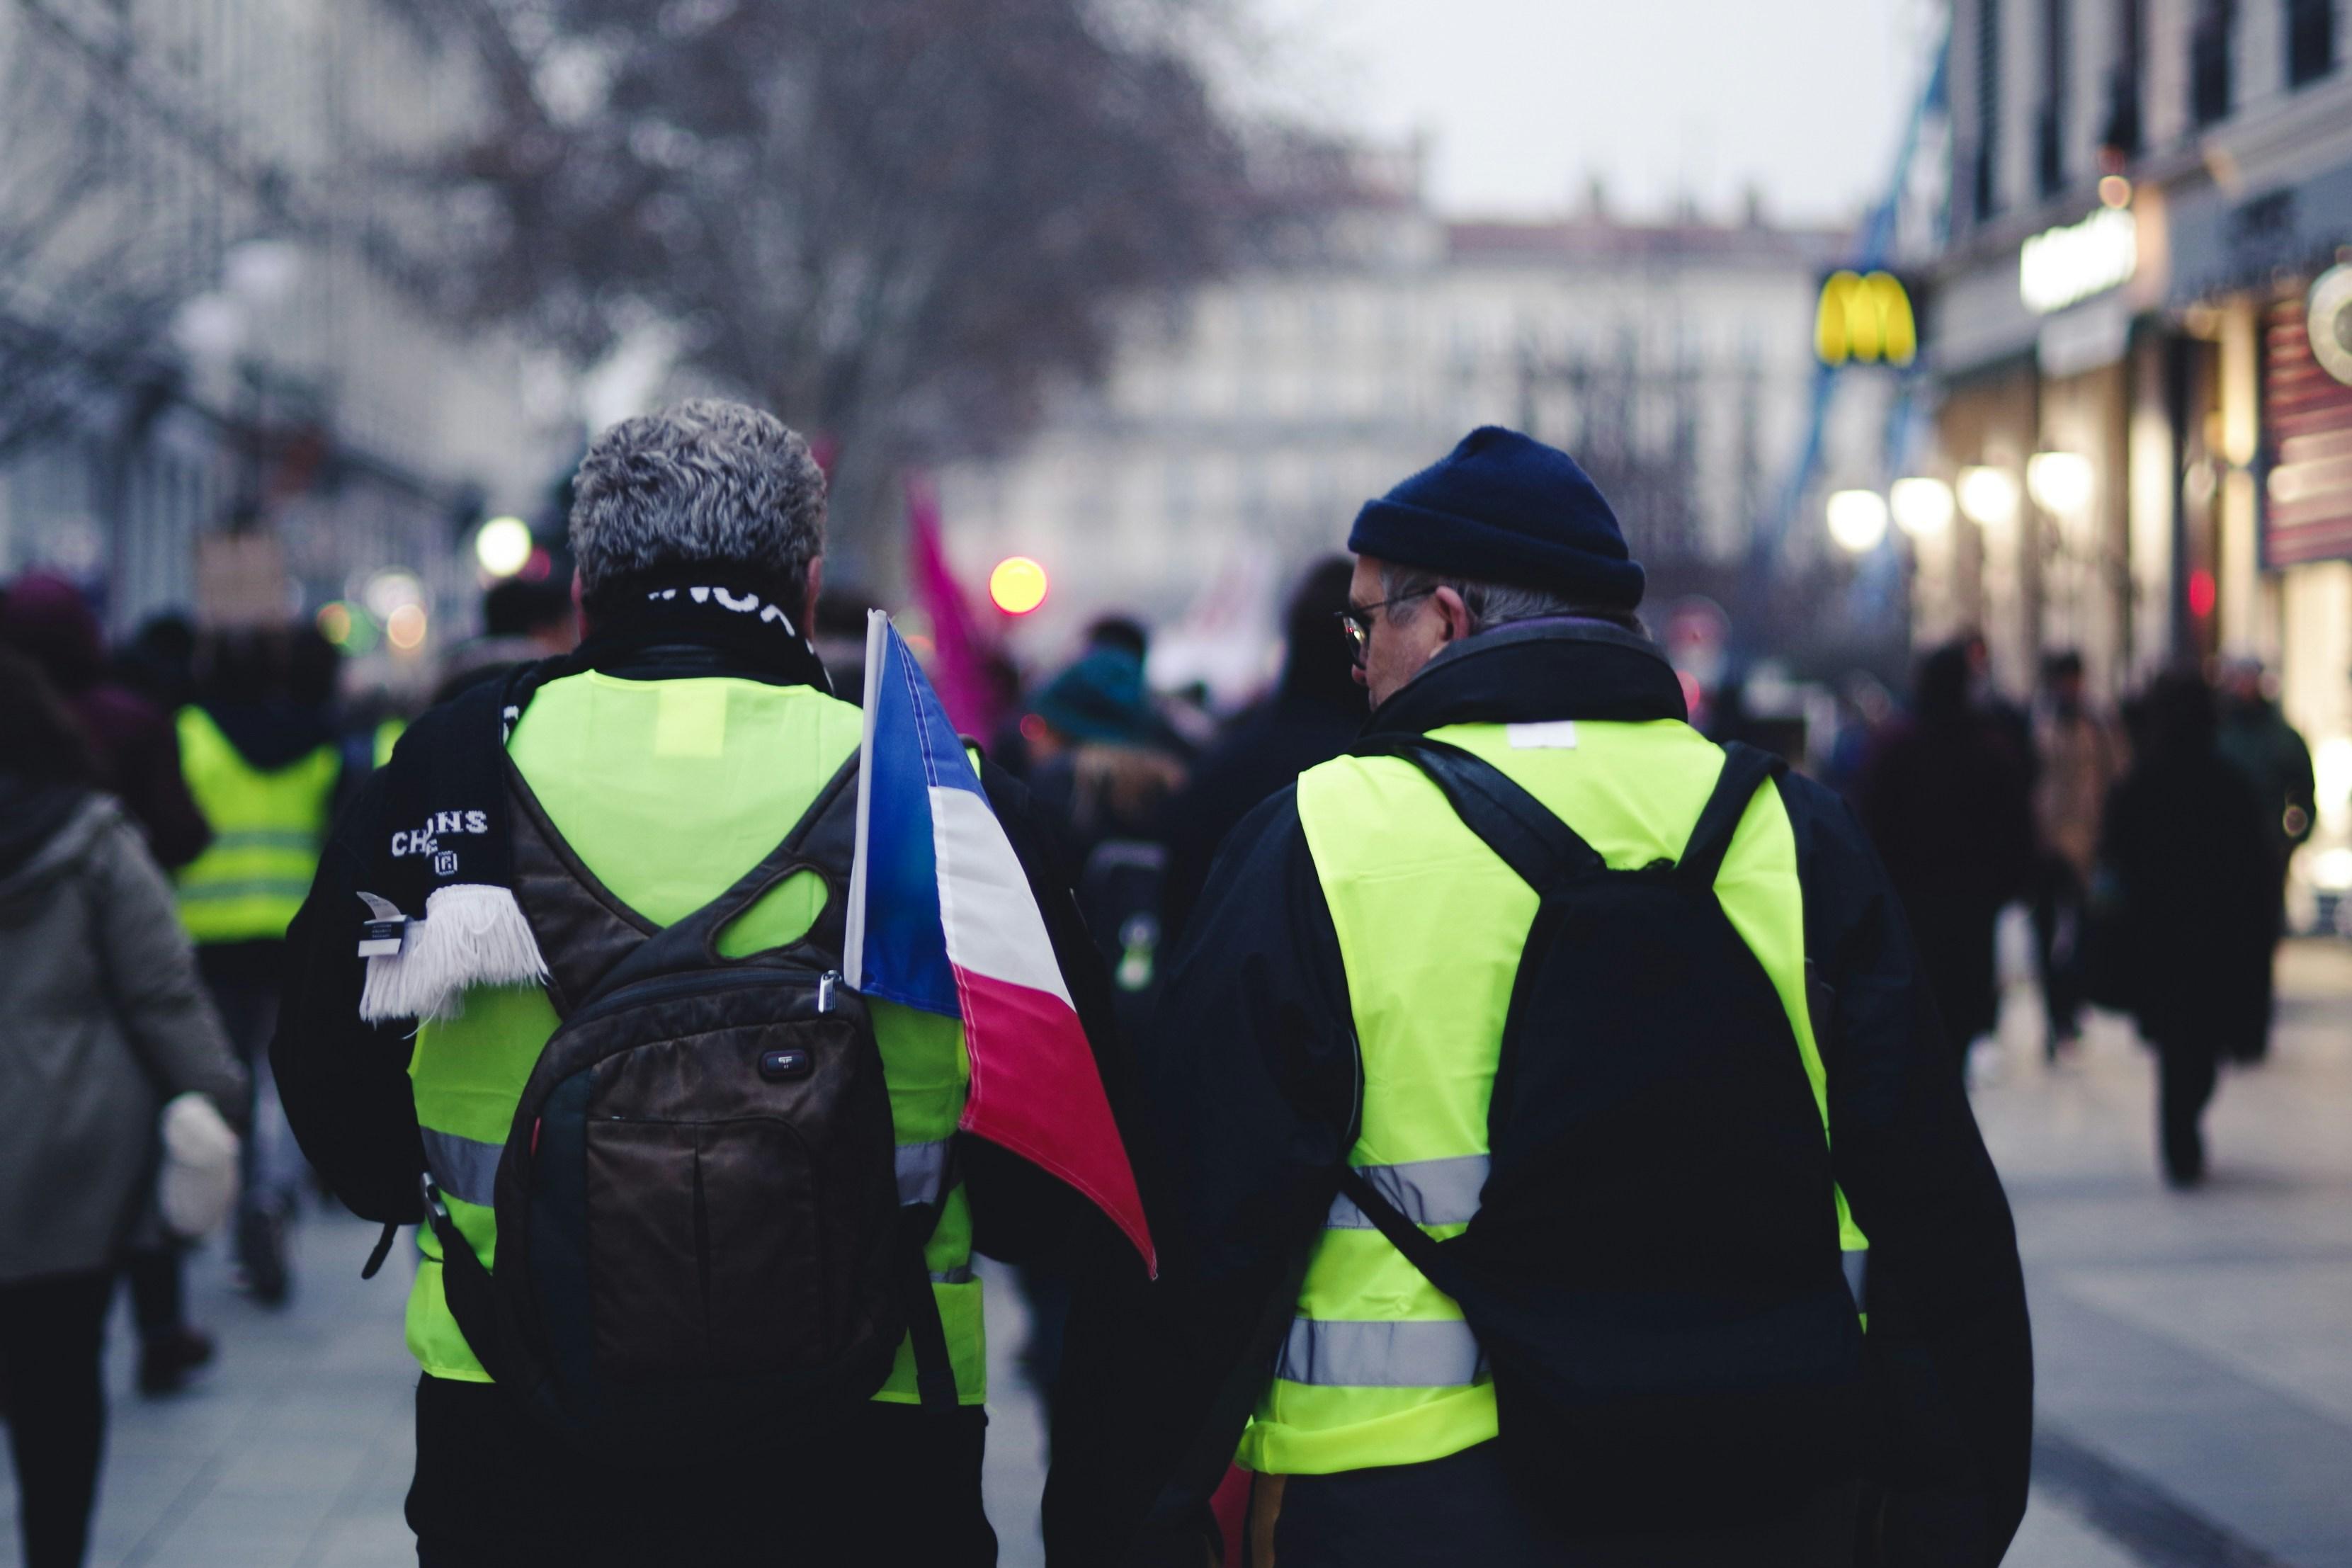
x: 1857, y: 1277
x: 959, y: 1275
x: 1426, y: 1192
x: 1337, y: 1353
x: 922, y: 1171
x: 462, y: 1168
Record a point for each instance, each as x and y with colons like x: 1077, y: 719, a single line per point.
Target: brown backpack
x: 701, y: 1235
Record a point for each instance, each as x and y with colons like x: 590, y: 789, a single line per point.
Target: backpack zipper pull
x: 825, y: 991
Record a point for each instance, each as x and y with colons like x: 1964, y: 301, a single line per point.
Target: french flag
x: 942, y: 918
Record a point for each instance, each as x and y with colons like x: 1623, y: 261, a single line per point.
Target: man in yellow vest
x: 264, y: 770
x: 626, y: 786
x: 1322, y: 1079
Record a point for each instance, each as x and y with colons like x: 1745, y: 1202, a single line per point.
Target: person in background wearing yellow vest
x: 1340, y: 1003
x: 263, y: 768
x: 689, y: 732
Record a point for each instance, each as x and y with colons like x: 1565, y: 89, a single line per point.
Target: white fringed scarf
x: 472, y: 934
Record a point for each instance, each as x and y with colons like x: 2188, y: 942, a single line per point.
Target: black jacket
x: 2189, y: 849
x: 1266, y: 748
x: 1250, y: 1096
x: 344, y: 1082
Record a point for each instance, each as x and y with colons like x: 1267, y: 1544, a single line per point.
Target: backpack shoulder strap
x: 1744, y: 770
x: 1533, y: 842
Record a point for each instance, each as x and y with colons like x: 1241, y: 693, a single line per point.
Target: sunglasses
x: 1356, y: 620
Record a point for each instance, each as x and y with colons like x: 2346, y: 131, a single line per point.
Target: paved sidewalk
x: 2195, y: 1350
x: 294, y: 1451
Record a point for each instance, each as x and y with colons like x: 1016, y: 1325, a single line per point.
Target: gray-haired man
x: 690, y: 731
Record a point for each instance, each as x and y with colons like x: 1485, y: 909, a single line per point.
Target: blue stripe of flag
x: 945, y: 766
x: 906, y: 937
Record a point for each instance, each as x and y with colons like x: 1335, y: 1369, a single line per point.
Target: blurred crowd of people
x: 2150, y: 845
x: 2150, y: 842
x: 162, y: 804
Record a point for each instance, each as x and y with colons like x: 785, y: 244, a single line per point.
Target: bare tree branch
x: 895, y: 222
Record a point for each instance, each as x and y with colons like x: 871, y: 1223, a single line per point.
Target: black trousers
x: 51, y: 1332
x: 899, y: 1485
x: 1466, y: 1508
x: 158, y: 1290
x: 2185, y: 1075
x: 249, y: 1010
x: 2058, y: 899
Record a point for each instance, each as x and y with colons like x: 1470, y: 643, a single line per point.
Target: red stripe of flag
x: 1040, y: 1095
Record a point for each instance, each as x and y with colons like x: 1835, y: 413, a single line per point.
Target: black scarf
x: 441, y: 912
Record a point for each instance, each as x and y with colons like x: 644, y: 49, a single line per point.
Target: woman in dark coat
x: 1945, y: 799
x: 103, y: 1021
x: 2187, y: 887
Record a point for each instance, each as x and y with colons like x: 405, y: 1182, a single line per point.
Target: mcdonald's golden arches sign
x: 1865, y: 319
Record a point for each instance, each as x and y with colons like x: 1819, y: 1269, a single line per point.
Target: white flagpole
x: 877, y: 641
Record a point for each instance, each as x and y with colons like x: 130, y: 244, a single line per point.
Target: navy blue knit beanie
x: 1501, y: 507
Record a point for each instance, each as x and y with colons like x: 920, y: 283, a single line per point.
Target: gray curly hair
x: 702, y: 483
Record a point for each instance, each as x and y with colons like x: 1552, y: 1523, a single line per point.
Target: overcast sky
x: 1523, y: 100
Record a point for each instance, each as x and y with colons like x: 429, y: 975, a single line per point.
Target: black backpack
x: 701, y: 1242
x: 1654, y: 1269
x: 1120, y: 893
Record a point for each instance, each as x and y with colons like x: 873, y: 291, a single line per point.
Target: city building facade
x: 1238, y: 429
x: 213, y: 319
x: 2141, y: 336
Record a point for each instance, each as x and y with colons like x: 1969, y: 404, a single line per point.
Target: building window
x: 2050, y: 150
x: 2122, y: 138
x: 1985, y: 177
x: 2310, y: 41
x: 2050, y: 122
x: 2209, y: 51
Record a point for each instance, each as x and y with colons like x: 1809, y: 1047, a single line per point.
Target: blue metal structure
x: 1874, y: 247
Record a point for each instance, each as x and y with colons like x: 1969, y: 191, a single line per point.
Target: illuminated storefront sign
x: 1866, y: 319
x: 2061, y: 266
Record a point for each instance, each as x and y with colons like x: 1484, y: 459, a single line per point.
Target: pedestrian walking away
x: 2081, y: 753
x: 697, y: 1228
x: 137, y: 749
x: 2188, y: 887
x: 1314, y: 712
x: 103, y: 1021
x: 2256, y: 740
x: 265, y: 769
x: 1554, y: 1151
x: 1946, y: 801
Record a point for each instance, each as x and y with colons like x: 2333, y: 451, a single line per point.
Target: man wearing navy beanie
x: 1610, y: 1102
x: 1503, y: 529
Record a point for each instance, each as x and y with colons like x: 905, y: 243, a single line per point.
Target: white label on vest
x: 1560, y: 735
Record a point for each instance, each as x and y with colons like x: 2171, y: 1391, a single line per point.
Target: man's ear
x: 816, y: 586
x: 1456, y: 614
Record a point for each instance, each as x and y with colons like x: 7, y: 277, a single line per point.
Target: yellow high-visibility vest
x: 667, y: 789
x: 267, y: 831
x: 1379, y: 1367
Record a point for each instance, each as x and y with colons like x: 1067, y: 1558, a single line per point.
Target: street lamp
x: 1857, y: 521
x: 1987, y: 497
x: 1921, y: 506
x: 2060, y: 482
x: 503, y: 546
